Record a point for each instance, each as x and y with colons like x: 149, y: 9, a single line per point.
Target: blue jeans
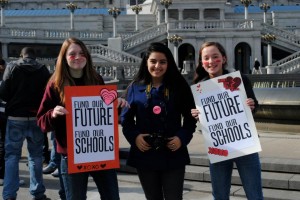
x: 55, y: 159
x: 16, y: 132
x: 249, y: 169
x: 54, y: 156
x: 76, y: 184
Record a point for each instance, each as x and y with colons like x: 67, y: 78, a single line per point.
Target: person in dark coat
x: 22, y: 89
x: 159, y: 125
x: 256, y: 67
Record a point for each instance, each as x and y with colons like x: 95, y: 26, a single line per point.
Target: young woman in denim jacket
x: 159, y: 125
x: 212, y: 63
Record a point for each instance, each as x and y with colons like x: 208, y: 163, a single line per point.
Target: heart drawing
x: 234, y: 83
x: 230, y: 83
x: 103, y: 165
x: 108, y: 96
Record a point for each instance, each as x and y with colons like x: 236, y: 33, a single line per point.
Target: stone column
x: 201, y: 14
x: 158, y: 16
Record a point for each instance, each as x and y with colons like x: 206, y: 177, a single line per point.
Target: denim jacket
x: 170, y: 121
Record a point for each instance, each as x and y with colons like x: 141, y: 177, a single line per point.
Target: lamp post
x: 265, y: 7
x: 269, y: 38
x: 114, y: 12
x: 3, y: 3
x: 72, y: 7
x: 166, y: 3
x: 246, y: 3
x: 137, y: 9
x: 175, y: 40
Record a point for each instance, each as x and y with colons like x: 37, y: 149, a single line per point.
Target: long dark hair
x: 172, y: 76
x: 173, y: 79
x: 200, y: 72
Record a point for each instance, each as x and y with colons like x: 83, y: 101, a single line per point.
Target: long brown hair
x: 62, y: 77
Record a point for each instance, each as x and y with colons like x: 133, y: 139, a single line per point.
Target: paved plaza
x: 275, y: 146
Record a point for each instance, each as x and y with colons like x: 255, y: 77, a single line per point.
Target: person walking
x: 159, y: 125
x: 22, y: 89
x: 74, y: 67
x: 256, y: 67
x: 212, y: 63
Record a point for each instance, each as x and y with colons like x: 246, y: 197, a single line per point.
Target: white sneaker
x: 21, y: 182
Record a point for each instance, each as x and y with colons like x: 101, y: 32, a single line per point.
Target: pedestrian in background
x: 212, y: 63
x: 74, y: 67
x: 256, y: 67
x: 53, y: 167
x: 3, y: 120
x: 159, y: 125
x: 22, y: 89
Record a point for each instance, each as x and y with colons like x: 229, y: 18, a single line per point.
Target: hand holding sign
x: 226, y: 121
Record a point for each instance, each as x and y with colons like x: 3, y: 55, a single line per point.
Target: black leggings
x: 162, y: 184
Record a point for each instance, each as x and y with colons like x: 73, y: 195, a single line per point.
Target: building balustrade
x: 213, y: 24
x: 282, y: 33
x: 113, y: 55
x: 145, y: 35
x: 130, y: 40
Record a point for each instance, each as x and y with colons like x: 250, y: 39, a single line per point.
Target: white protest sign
x: 227, y: 122
x: 92, y: 128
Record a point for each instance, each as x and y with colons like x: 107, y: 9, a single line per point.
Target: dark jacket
x: 23, y: 87
x: 256, y: 65
x: 171, y: 121
x: 50, y: 100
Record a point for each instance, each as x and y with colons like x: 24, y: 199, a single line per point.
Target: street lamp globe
x: 175, y: 39
x: 115, y: 12
x: 166, y: 3
x: 265, y: 7
x: 246, y: 3
x: 3, y: 3
x: 137, y: 9
x: 71, y: 6
x: 268, y: 37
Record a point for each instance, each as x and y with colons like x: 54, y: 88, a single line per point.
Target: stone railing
x: 288, y: 65
x: 143, y: 36
x: 40, y: 33
x: 10, y: 33
x: 108, y: 70
x: 112, y: 55
x: 117, y: 71
x: 206, y: 25
x: 287, y: 35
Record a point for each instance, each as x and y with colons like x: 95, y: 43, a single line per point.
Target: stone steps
x: 280, y: 177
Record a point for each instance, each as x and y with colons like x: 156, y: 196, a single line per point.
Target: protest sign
x: 226, y: 121
x: 92, y: 128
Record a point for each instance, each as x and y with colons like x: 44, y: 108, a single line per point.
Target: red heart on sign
x: 235, y: 83
x: 108, y: 96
